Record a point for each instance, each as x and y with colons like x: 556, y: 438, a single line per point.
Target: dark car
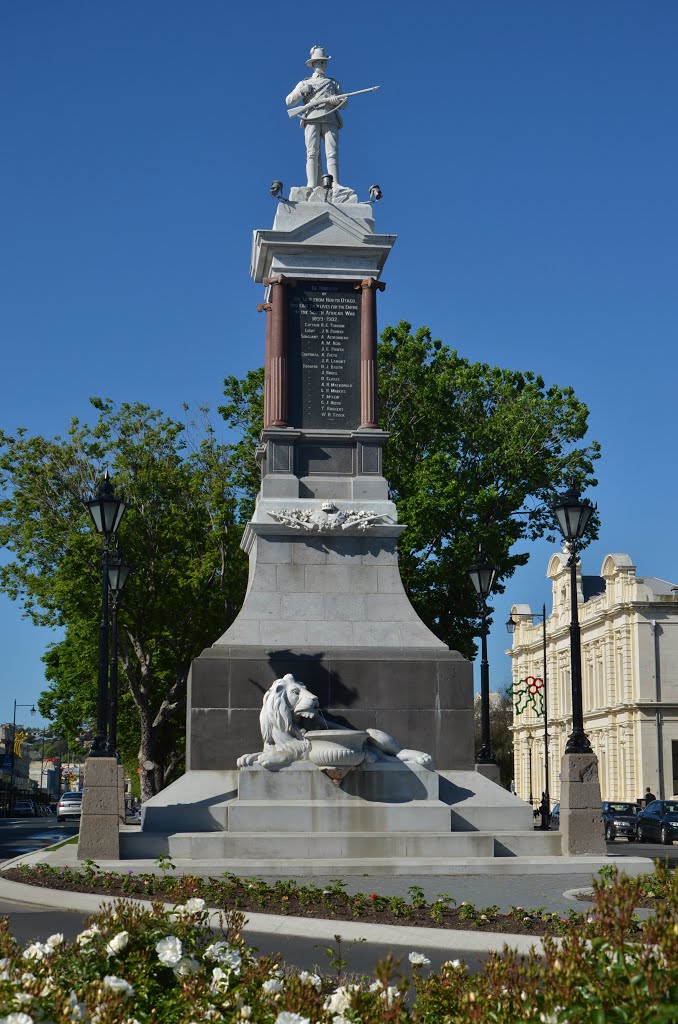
x: 658, y: 821
x: 619, y: 819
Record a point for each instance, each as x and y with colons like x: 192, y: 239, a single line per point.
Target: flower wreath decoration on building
x: 529, y: 691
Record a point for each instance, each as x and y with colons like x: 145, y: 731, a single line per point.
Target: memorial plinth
x: 325, y: 601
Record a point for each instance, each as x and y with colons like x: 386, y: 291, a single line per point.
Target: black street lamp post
x: 573, y: 514
x: 118, y: 572
x: 511, y: 627
x: 106, y: 511
x: 11, y: 781
x: 482, y: 576
x: 530, y: 740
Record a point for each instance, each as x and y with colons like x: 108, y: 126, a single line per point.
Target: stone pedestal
x: 580, y: 806
x: 490, y: 771
x: 99, y: 825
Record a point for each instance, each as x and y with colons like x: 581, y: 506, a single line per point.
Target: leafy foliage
x: 476, y: 454
x: 181, y: 535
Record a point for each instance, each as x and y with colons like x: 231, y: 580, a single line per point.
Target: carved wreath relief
x: 328, y: 517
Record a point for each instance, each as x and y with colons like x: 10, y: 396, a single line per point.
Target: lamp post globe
x: 483, y: 574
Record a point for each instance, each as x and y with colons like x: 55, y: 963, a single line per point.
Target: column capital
x: 278, y: 279
x: 264, y: 307
x: 369, y: 283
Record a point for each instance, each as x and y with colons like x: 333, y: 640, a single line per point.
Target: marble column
x: 266, y: 307
x: 368, y: 351
x: 276, y: 363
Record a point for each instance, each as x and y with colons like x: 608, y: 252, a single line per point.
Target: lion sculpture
x: 289, y: 709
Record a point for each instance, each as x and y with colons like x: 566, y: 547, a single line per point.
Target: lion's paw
x: 416, y: 757
x: 246, y: 760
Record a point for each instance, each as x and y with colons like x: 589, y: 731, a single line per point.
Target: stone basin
x: 337, y: 751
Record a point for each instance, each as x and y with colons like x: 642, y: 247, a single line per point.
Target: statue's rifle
x: 297, y: 111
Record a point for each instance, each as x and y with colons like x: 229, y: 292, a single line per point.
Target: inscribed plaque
x: 324, y: 355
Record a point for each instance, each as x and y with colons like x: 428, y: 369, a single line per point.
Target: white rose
x: 340, y: 999
x: 272, y: 985
x: 117, y: 943
x: 225, y: 954
x: 17, y: 1018
x: 312, y: 979
x: 286, y: 1017
x: 418, y: 960
x: 118, y: 985
x: 84, y: 937
x: 195, y: 905
x: 35, y: 951
x: 169, y: 951
x: 55, y: 940
x: 187, y: 965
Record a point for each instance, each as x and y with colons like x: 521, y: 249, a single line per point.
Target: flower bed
x: 287, y: 897
x: 138, y: 966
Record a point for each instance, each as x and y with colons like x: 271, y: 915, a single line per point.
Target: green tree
x: 476, y: 453
x: 181, y: 534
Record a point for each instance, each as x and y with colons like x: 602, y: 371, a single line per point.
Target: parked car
x: 658, y: 821
x: 24, y: 809
x: 554, y: 820
x: 69, y: 806
x: 619, y: 819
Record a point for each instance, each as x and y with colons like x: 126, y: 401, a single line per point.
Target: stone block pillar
x: 580, y: 806
x: 99, y: 825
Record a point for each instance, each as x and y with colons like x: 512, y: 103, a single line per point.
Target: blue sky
x: 527, y: 153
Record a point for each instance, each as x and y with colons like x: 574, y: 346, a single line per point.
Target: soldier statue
x: 322, y: 120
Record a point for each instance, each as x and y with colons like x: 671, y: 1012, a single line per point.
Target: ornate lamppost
x: 118, y: 572
x: 106, y: 511
x: 482, y: 575
x: 580, y: 803
x: 511, y: 627
x: 573, y: 514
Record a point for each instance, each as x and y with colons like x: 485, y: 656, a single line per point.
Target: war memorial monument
x: 328, y: 728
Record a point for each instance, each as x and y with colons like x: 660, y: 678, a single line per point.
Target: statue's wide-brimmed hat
x: 317, y: 53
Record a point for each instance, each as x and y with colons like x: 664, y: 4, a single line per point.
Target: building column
x: 368, y: 351
x: 277, y: 351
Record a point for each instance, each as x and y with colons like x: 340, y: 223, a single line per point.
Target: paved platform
x: 436, y: 869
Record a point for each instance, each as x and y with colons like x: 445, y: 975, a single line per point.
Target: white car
x: 69, y: 806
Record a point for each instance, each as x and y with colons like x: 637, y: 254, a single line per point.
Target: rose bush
x: 137, y: 966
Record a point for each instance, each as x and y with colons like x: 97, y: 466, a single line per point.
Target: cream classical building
x: 629, y: 647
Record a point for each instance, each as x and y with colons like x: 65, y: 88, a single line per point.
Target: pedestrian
x: 649, y: 796
x: 545, y: 811
x: 512, y: 787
